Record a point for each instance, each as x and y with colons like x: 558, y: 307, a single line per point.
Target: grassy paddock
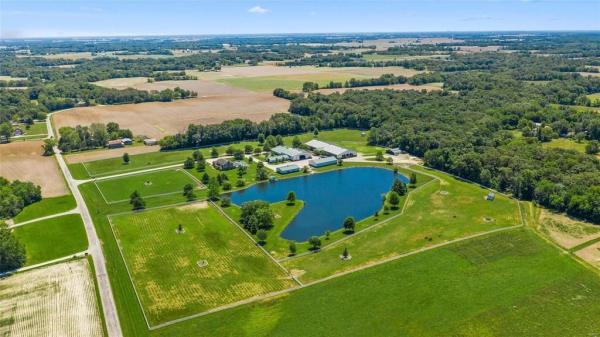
x: 164, y: 263
x: 442, y: 210
x: 147, y: 184
x: 45, y: 207
x: 52, y: 238
x: 505, y: 284
x: 565, y: 143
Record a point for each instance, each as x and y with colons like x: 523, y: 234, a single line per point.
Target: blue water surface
x: 328, y: 197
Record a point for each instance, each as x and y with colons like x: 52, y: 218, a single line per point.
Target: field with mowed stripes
x: 59, y: 300
x: 208, y: 263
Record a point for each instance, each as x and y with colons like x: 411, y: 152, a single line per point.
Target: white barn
x: 330, y: 149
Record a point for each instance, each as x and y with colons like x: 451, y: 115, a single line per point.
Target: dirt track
x: 24, y: 161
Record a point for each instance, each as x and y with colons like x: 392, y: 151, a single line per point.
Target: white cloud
x: 258, y: 10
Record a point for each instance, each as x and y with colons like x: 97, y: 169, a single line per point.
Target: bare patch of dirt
x: 24, y: 161
x: 566, y: 231
x: 591, y: 254
x: 194, y: 206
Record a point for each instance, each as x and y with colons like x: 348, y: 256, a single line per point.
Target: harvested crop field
x: 59, y: 300
x: 215, y: 103
x: 106, y: 154
x: 381, y: 87
x: 24, y: 161
x: 566, y: 231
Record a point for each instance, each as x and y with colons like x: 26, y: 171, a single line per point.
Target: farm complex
x: 380, y: 184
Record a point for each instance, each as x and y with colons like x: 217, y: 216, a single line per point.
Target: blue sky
x: 60, y: 18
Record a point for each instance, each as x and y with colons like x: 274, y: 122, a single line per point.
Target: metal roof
x: 326, y: 147
x: 291, y: 152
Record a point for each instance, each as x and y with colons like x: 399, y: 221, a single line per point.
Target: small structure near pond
x: 288, y: 169
x: 320, y: 162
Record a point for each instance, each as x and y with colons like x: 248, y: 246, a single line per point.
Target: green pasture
x: 442, y: 210
x: 288, y: 82
x: 147, y: 184
x: 565, y: 143
x: 168, y: 268
x: 45, y: 207
x: 53, y: 238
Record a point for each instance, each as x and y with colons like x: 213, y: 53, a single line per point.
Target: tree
x: 314, y: 242
x: 316, y: 132
x: 188, y: 192
x: 248, y: 149
x: 279, y: 140
x: 136, y: 201
x: 201, y: 165
x: 256, y: 215
x: 261, y: 138
x: 226, y: 186
x: 349, y: 224
x: 197, y: 155
x: 413, y: 178
x: 261, y: 235
x: 205, y: 179
x: 180, y: 228
x: 292, y: 248
x: 12, y: 253
x: 48, y: 147
x: 188, y: 163
x: 379, y: 156
x: 593, y: 147
x: 296, y: 142
x: 229, y: 151
x: 291, y: 198
x: 399, y: 187
x: 125, y: 158
x: 389, y: 160
x: 345, y: 253
x: 225, y: 201
x: 261, y: 174
x: 214, y: 153
x: 213, y: 189
x: 394, y: 199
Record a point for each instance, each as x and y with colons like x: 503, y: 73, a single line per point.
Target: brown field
x: 381, y: 87
x: 215, y: 103
x: 566, y: 231
x: 590, y: 74
x: 105, y: 154
x: 383, y: 44
x: 24, y: 161
x: 54, y: 301
x: 591, y: 254
x: 10, y: 78
x: 254, y: 71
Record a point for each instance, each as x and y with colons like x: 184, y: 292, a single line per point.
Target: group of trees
x: 12, y: 252
x: 256, y: 215
x: 15, y: 195
x: 171, y: 76
x: 89, y: 137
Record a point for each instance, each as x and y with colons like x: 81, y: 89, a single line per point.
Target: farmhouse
x: 150, y: 141
x: 288, y: 169
x: 113, y: 144
x: 223, y: 164
x: 395, y: 151
x: 320, y: 162
x: 290, y: 153
x: 330, y: 149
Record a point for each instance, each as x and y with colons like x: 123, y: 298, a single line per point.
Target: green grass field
x: 45, y: 207
x: 52, y: 238
x: 287, y: 82
x: 565, y: 143
x: 595, y: 98
x: 147, y: 184
x: 348, y: 138
x: 505, y: 284
x: 37, y: 130
x: 442, y: 210
x: 164, y: 263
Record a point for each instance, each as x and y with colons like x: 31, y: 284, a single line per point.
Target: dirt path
x: 73, y: 211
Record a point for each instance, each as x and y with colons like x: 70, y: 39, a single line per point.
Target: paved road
x: 95, y: 248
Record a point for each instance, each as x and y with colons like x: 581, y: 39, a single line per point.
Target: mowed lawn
x: 165, y: 264
x: 441, y: 210
x: 51, y: 239
x: 147, y: 184
x: 505, y: 284
x: 565, y: 143
x: 45, y: 207
x: 352, y: 139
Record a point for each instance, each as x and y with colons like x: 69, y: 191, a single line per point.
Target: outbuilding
x: 395, y: 151
x: 127, y: 141
x: 113, y: 144
x: 290, y: 153
x: 150, y: 141
x: 320, y: 162
x: 330, y: 149
x: 288, y: 169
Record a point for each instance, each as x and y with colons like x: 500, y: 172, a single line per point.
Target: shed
x: 127, y: 141
x: 113, y: 144
x: 395, y: 151
x: 320, y: 162
x: 288, y: 169
x: 18, y: 132
x: 150, y: 141
x: 276, y: 159
x: 490, y: 196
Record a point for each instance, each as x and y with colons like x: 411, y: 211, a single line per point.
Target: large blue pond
x: 328, y: 198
